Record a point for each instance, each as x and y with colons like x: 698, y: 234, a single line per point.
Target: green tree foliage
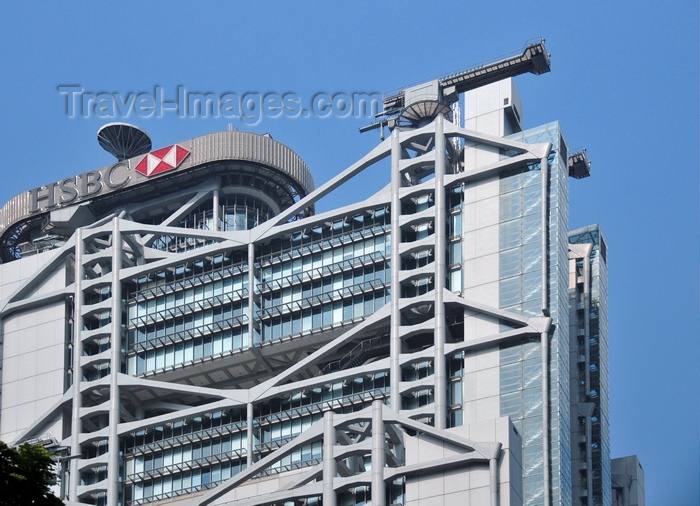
x: 26, y: 473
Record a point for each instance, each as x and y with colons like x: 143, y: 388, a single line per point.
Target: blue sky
x: 624, y: 84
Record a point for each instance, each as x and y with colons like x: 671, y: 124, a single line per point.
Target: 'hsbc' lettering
x: 69, y: 192
x: 109, y: 179
x: 91, y: 183
x: 79, y: 187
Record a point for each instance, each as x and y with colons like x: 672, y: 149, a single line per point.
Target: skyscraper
x: 590, y: 426
x: 189, y: 329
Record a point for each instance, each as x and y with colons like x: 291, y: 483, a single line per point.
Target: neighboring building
x: 628, y: 482
x: 588, y: 335
x: 192, y: 332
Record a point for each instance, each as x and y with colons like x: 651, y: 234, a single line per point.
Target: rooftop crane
x: 418, y: 105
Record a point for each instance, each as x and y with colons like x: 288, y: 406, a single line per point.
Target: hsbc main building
x: 184, y: 327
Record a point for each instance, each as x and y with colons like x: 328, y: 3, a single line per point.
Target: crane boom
x: 533, y: 59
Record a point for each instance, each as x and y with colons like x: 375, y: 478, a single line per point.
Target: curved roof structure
x: 242, y: 158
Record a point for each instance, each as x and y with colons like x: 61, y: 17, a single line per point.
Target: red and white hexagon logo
x: 161, y: 160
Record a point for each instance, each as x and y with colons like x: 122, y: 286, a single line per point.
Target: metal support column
x: 586, y: 294
x: 378, y: 455
x: 587, y: 373
x: 493, y: 480
x: 544, y: 217
x: 251, y: 295
x: 395, y: 339
x: 544, y: 166
x: 440, y: 367
x: 76, y: 424
x: 249, y: 435
x: 215, y: 210
x: 589, y: 458
x: 115, y: 369
x: 329, y: 464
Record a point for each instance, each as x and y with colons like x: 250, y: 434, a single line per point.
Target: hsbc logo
x: 91, y: 184
x: 161, y: 160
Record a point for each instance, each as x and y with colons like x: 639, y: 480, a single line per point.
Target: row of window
x: 299, y: 291
x: 182, y: 483
x: 316, y: 396
x: 195, y: 428
x: 219, y: 446
x: 201, y: 271
x: 293, y: 320
x: 186, y: 352
x: 306, y: 261
x: 191, y: 295
x: 183, y: 320
x: 346, y: 230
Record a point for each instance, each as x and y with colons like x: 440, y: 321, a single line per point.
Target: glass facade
x: 520, y: 236
x: 186, y: 314
x: 330, y: 275
x: 521, y: 287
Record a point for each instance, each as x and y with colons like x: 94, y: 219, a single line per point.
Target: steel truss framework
x: 116, y: 249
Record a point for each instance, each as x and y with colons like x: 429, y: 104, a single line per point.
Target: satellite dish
x: 123, y: 140
x: 422, y: 112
